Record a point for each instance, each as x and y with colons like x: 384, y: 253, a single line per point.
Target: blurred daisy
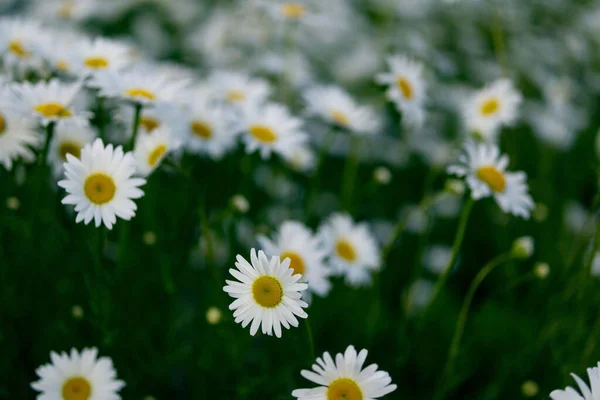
x: 92, y: 55
x: 151, y: 149
x: 436, y: 258
x: 271, y: 128
x: 100, y: 184
x: 296, y: 242
x: 301, y: 159
x: 139, y: 86
x: 17, y: 138
x: 267, y: 294
x: 303, y: 11
x: 345, y: 378
x: 20, y: 39
x: 485, y: 172
x: 238, y: 88
x: 406, y: 86
x: 78, y: 376
x: 352, y: 248
x: 151, y: 118
x: 52, y: 101
x: 68, y: 139
x: 336, y: 106
x: 492, y: 107
x: 591, y: 392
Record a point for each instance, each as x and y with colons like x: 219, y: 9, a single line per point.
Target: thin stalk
x: 498, y: 40
x: 49, y: 135
x: 315, y: 181
x: 311, y: 341
x: 462, y: 319
x: 136, y: 125
x: 350, y: 172
x: 100, y: 116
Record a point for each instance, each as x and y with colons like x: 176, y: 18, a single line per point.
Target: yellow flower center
x: 71, y: 148
x: 99, y: 188
x: 267, y: 291
x: 53, y: 110
x: 149, y: 123
x: 345, y: 250
x: 296, y: 261
x: 76, y: 388
x: 235, y: 96
x: 2, y: 124
x: 490, y: 107
x: 344, y: 389
x: 139, y: 92
x: 156, y: 155
x: 62, y: 65
x: 405, y: 88
x: 96, y: 62
x: 65, y: 9
x: 492, y: 177
x: 293, y: 10
x: 201, y: 129
x: 263, y: 133
x: 340, y: 117
x: 16, y: 47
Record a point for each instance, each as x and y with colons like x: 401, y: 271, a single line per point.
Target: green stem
x: 314, y: 184
x: 458, y: 239
x: 498, y: 40
x: 136, y: 125
x: 49, y: 135
x: 311, y: 341
x: 462, y: 319
x: 100, y: 116
x: 350, y: 172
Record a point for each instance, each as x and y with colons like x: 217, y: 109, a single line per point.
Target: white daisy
x: 238, y: 88
x: 337, y: 107
x: 492, y: 107
x: 140, y: 85
x: 302, y: 159
x: 17, y: 137
x: 78, y: 376
x: 151, y: 148
x: 302, y: 11
x: 406, y: 87
x: 296, y: 242
x: 100, y: 185
x: 267, y: 294
x: 352, y: 248
x: 151, y: 118
x: 52, y: 101
x: 591, y: 392
x: 485, y: 172
x: 20, y: 39
x: 271, y: 128
x: 345, y: 378
x: 90, y: 56
x: 68, y: 139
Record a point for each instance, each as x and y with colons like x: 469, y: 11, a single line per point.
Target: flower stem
x: 100, y: 116
x: 314, y: 184
x: 350, y: 172
x: 462, y: 319
x: 311, y: 341
x: 136, y: 125
x: 49, y: 135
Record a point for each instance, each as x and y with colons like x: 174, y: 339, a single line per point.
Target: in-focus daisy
x: 591, y: 392
x: 296, y: 242
x: 352, y: 248
x: 406, y: 87
x: 78, y: 376
x: 68, y: 139
x: 17, y: 138
x: 492, y: 107
x: 267, y: 294
x: 238, y: 88
x: 337, y: 107
x: 90, y: 56
x: 271, y: 128
x: 140, y: 86
x: 345, y: 378
x: 100, y: 184
x: 151, y: 149
x: 52, y: 101
x: 484, y: 169
x: 20, y: 40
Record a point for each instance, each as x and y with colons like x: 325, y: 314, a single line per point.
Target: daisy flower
x: 336, y: 106
x: 90, y: 56
x: 301, y: 11
x: 151, y: 149
x: 267, y: 294
x: 352, y: 248
x: 484, y: 169
x: 301, y: 159
x: 151, y: 118
x: 238, y: 88
x: 78, y: 376
x: 492, y: 107
x: 100, y: 184
x: 345, y: 378
x: 587, y: 392
x: 406, y: 86
x: 52, y: 101
x: 17, y: 137
x: 140, y: 86
x: 296, y: 242
x: 68, y: 139
x: 20, y: 39
x: 271, y: 128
